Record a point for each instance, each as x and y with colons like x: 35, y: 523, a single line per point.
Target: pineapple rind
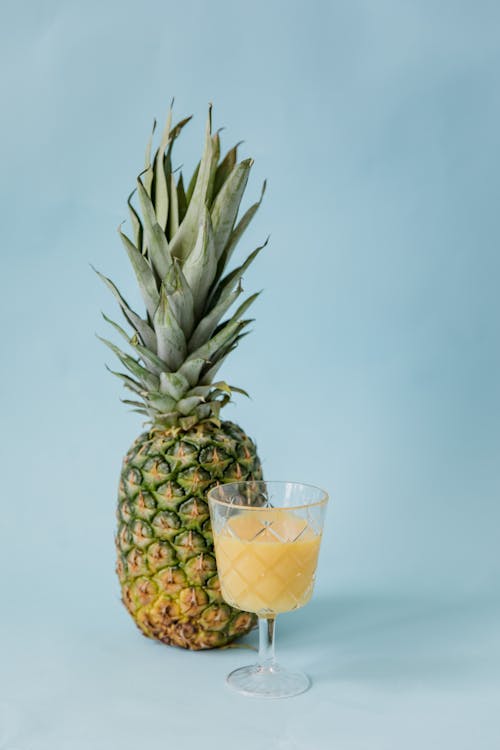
x: 166, y: 563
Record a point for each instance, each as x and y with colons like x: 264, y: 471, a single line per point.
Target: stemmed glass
x: 267, y: 537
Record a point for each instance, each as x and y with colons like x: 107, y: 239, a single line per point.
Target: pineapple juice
x: 266, y: 560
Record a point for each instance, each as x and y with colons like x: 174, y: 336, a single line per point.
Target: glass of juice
x: 267, y: 537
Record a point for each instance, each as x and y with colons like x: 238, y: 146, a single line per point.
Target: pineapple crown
x: 183, y: 240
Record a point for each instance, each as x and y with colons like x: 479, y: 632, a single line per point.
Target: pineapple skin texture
x: 165, y: 556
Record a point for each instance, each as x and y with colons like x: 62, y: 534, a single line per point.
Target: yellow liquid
x: 261, y: 568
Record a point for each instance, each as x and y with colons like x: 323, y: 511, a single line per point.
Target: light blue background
x: 374, y: 365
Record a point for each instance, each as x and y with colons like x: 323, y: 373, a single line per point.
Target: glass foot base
x: 268, y: 682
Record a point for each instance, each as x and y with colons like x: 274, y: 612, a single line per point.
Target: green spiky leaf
x: 150, y: 380
x: 155, y: 236
x: 170, y: 336
x: 173, y: 217
x: 201, y: 265
x: 143, y: 273
x: 208, y: 324
x: 180, y: 297
x: 174, y: 384
x: 117, y: 328
x: 227, y: 283
x: 184, y: 240
x: 192, y: 368
x: 160, y: 178
x: 181, y: 198
x: 153, y: 362
x: 225, y: 168
x: 192, y: 183
x: 129, y: 382
x: 142, y: 328
x: 186, y: 405
x: 238, y: 231
x: 136, y: 223
x: 227, y: 203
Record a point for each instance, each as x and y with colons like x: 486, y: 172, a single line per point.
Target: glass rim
x: 322, y: 501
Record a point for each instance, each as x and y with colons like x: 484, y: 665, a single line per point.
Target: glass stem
x: 267, y: 658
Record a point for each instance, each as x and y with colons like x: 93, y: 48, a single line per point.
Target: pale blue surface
x: 388, y: 673
x: 374, y: 366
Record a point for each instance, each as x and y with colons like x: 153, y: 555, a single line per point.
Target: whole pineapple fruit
x: 183, y: 240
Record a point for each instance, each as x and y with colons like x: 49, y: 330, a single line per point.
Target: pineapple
x: 182, y: 242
